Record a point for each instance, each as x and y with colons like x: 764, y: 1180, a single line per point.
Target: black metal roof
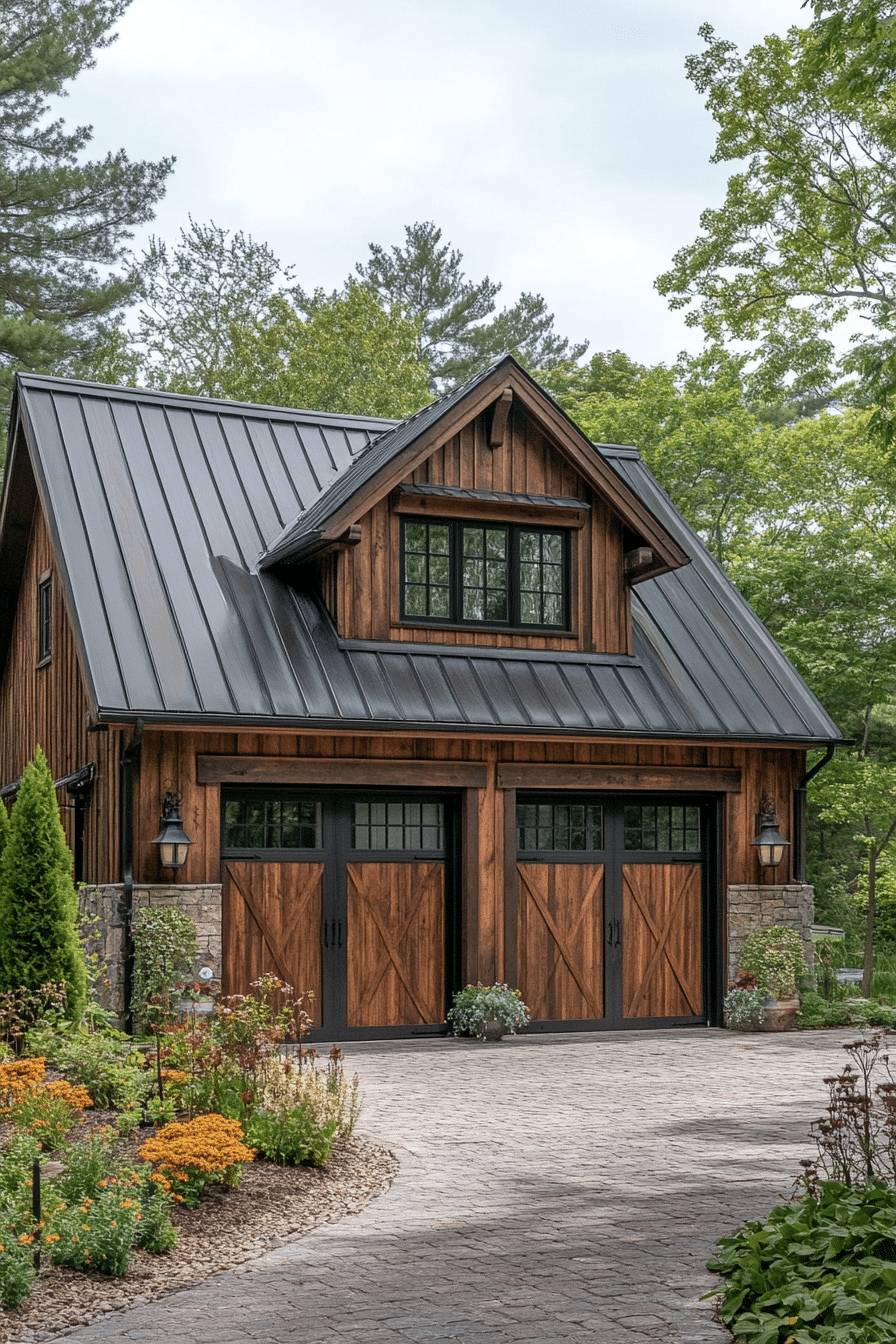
x: 160, y: 506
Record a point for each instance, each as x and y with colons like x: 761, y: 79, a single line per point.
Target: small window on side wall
x: 44, y: 619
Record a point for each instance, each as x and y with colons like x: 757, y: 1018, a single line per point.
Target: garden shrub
x: 164, y: 954
x: 23, y: 1011
x: 191, y: 1155
x: 17, y: 1273
x: 291, y: 1136
x: 38, y: 905
x: 823, y: 1269
x: 15, y: 1166
x: 156, y: 1233
x: 114, y: 1080
x: 96, y: 1234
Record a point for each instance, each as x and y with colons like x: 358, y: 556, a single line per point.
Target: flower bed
x: 220, y: 1092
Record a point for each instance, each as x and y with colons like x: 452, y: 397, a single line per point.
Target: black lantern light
x: 173, y: 840
x: 770, y: 843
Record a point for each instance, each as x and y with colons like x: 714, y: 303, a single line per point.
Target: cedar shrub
x: 38, y: 904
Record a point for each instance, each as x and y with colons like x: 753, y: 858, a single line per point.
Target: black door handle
x: 618, y: 932
x: 339, y: 944
x: 325, y: 940
x: 609, y: 933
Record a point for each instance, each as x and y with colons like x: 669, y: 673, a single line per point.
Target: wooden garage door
x: 396, y: 953
x: 272, y: 921
x: 662, y: 970
x: 560, y: 940
x: 609, y: 920
x: 365, y: 916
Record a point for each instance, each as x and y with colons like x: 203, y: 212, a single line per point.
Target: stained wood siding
x: 361, y: 586
x: 168, y: 760
x: 47, y: 706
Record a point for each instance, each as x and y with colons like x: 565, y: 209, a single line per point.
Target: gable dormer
x: 486, y: 520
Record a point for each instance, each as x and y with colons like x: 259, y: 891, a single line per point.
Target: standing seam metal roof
x: 159, y: 506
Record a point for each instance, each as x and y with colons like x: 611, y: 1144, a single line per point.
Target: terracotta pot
x: 779, y: 1015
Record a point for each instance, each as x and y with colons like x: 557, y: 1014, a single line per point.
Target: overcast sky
x: 558, y: 145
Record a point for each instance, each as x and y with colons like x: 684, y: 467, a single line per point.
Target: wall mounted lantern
x: 173, y: 840
x: 770, y: 843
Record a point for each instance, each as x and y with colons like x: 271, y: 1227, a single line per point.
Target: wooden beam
x: 449, y: 506
x: 499, y: 419
x: 339, y: 770
x: 637, y: 561
x: 628, y: 778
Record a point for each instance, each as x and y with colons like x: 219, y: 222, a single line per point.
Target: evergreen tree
x: 459, y: 332
x: 38, y: 903
x: 64, y: 221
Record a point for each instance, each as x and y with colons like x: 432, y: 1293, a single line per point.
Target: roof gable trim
x: 482, y: 394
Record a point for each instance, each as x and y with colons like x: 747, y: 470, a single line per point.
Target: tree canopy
x: 460, y: 333
x: 345, y: 353
x: 65, y: 271
x: 196, y: 295
x: 804, y: 242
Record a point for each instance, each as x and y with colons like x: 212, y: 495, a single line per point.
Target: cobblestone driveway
x: 551, y: 1188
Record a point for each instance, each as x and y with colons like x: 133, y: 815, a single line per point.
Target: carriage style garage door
x: 611, y: 909
x: 349, y: 896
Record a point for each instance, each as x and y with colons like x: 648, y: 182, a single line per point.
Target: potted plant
x: 744, y: 1004
x: 773, y: 956
x: 487, y: 1012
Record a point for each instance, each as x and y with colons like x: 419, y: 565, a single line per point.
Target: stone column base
x: 103, y: 905
x: 752, y: 907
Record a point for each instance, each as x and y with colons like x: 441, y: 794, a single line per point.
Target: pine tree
x: 64, y: 220
x: 38, y: 903
x: 460, y: 333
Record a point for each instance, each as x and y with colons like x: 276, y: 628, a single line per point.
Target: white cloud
x: 559, y: 146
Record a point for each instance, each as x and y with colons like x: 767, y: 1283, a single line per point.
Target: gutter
x: 129, y: 758
x: 799, y: 810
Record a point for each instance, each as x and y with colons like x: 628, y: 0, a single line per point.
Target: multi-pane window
x: 272, y: 823
x: 485, y: 573
x: 669, y: 829
x: 395, y: 825
x: 44, y: 619
x: 427, y: 570
x: 559, y: 826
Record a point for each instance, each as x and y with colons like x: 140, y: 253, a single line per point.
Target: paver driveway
x: 551, y: 1188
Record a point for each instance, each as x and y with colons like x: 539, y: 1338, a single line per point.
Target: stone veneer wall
x: 201, y: 903
x: 750, y: 907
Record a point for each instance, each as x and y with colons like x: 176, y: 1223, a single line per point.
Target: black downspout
x: 126, y: 835
x: 799, y: 814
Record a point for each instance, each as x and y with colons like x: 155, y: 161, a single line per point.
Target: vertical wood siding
x: 168, y: 761
x: 47, y: 706
x: 361, y: 586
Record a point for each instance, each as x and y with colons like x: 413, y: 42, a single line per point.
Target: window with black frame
x: 44, y: 619
x: 504, y: 574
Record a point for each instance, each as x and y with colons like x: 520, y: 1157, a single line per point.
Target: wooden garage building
x: 456, y: 698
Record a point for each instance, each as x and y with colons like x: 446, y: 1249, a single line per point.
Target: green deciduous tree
x: 460, y: 333
x: 65, y: 269
x: 697, y: 433
x: 804, y: 240
x: 345, y: 353
x: 38, y: 903
x: 195, y: 296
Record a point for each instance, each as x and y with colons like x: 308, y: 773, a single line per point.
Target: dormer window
x: 509, y: 575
